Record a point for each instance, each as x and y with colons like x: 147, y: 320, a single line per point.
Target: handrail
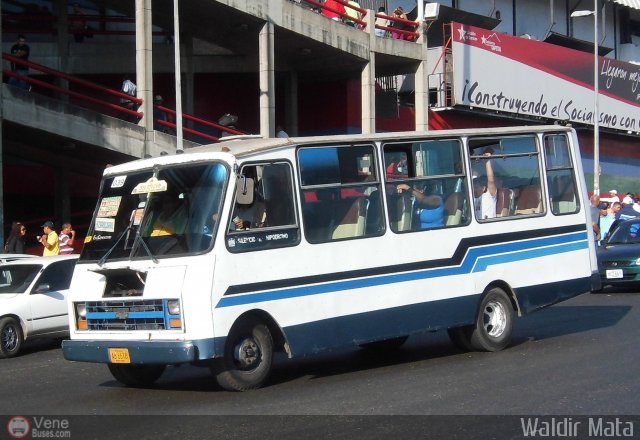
x: 70, y: 78
x: 105, y: 104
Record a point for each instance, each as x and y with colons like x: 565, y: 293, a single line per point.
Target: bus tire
x: 248, y: 357
x: 494, y: 323
x: 136, y: 375
x: 11, y: 337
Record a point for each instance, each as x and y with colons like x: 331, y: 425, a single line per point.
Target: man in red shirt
x: 333, y: 6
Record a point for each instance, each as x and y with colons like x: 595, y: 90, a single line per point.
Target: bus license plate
x: 614, y: 273
x: 119, y: 355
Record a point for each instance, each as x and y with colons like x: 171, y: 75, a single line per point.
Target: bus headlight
x: 173, y: 305
x: 81, y: 316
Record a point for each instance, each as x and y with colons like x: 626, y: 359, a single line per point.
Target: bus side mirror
x: 244, y: 190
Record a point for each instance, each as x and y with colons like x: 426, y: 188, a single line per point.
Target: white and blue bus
x: 230, y: 252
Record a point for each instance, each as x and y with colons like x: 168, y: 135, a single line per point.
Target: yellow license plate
x: 119, y: 355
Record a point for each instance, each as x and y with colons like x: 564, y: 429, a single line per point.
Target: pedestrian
x: 381, y: 22
x: 78, y: 24
x: 22, y: 51
x: 128, y: 87
x: 66, y: 239
x: 280, y: 133
x: 16, y: 241
x: 353, y: 14
x: 49, y: 239
x: 159, y: 115
x: 398, y: 13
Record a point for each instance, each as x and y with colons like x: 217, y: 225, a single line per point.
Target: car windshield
x: 17, y: 278
x: 156, y: 213
x: 626, y: 232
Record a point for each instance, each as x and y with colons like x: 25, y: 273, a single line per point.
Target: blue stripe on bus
x: 476, y: 260
x: 130, y: 315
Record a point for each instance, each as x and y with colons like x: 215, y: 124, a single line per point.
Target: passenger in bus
x: 171, y: 218
x: 430, y: 205
x: 485, y: 191
x: 249, y: 216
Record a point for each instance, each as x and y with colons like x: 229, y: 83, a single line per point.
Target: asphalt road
x: 577, y: 358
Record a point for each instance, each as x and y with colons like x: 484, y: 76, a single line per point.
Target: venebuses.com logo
x: 38, y: 427
x: 18, y: 427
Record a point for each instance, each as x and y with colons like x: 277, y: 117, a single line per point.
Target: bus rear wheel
x: 136, y: 375
x: 493, y: 328
x: 248, y: 357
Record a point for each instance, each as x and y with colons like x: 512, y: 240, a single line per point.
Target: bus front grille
x: 126, y: 315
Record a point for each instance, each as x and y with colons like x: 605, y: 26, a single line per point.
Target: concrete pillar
x: 422, y: 84
x: 267, y: 81
x: 1, y: 149
x: 368, y: 80
x: 144, y: 68
x: 63, y: 42
x: 292, y: 104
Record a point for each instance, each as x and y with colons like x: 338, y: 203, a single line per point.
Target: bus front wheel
x: 136, y: 375
x: 247, y: 358
x: 493, y: 327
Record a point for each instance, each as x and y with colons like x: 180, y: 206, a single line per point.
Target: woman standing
x: 16, y: 241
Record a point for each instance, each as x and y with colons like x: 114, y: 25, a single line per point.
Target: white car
x: 33, y: 300
x: 4, y: 258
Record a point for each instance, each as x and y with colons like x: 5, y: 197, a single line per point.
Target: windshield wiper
x: 139, y: 238
x: 111, y: 249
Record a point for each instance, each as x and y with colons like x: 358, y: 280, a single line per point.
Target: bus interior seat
x: 529, y: 200
x: 349, y: 217
x: 400, y: 212
x: 318, y: 221
x: 504, y: 203
x: 453, y: 209
x: 374, y: 223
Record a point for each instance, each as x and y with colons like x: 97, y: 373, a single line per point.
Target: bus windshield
x: 157, y: 213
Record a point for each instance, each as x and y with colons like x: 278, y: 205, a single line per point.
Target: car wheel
x: 247, y: 357
x: 11, y: 337
x: 136, y: 375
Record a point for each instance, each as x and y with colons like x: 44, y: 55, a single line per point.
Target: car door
x: 49, y: 308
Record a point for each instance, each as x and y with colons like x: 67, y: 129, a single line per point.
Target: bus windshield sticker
x: 109, y: 206
x: 150, y: 186
x: 105, y: 224
x: 118, y: 181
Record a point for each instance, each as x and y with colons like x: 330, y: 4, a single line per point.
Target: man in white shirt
x: 485, y: 192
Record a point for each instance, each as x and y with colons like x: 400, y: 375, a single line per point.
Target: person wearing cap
x: 605, y: 220
x: 627, y: 212
x: 613, y: 196
x: 49, y: 240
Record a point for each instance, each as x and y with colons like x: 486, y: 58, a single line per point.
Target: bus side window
x: 341, y: 193
x: 272, y: 206
x: 560, y: 175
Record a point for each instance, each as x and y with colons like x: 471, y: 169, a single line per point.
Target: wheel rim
x: 247, y: 354
x: 494, y: 318
x: 9, y: 338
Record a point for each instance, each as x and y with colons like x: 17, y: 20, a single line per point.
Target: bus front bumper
x: 138, y: 352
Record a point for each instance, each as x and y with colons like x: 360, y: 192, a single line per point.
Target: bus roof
x: 241, y: 146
